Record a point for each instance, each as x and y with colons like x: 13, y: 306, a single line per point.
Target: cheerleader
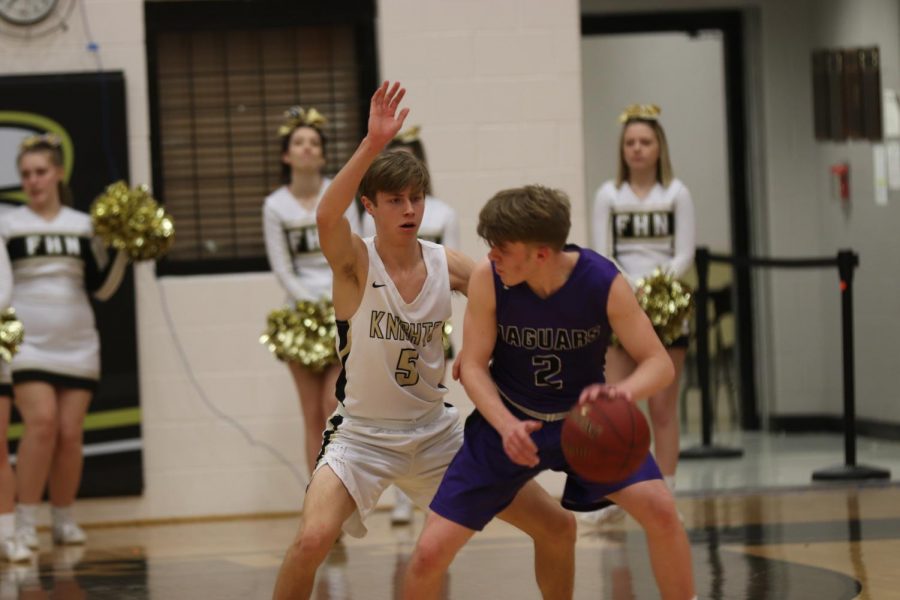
x: 645, y: 220
x: 292, y: 245
x: 440, y: 224
x: 55, y: 262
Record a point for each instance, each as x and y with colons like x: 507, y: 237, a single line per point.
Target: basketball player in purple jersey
x: 537, y: 326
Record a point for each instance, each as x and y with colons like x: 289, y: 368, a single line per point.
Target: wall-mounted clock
x: 32, y: 18
x: 26, y: 12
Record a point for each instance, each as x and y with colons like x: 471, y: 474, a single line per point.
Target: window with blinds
x: 220, y: 95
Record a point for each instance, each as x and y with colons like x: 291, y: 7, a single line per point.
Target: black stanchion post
x: 847, y: 262
x: 701, y: 295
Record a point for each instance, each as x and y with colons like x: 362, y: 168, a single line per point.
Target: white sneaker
x: 13, y: 549
x: 608, y: 515
x: 403, y: 509
x: 28, y: 536
x: 67, y: 533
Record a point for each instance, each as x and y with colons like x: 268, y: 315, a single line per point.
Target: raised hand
x: 384, y: 120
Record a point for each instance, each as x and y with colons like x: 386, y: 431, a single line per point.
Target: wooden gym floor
x: 826, y: 544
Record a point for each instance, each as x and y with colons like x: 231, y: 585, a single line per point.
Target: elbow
x: 325, y: 219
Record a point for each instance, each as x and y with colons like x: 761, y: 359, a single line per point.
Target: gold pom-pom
x: 129, y: 219
x: 667, y: 302
x: 304, y: 334
x: 11, y: 334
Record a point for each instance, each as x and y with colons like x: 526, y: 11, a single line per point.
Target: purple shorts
x: 481, y: 480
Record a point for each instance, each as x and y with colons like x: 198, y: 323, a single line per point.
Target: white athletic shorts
x: 369, y: 455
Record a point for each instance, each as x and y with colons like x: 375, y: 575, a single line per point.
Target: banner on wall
x: 87, y: 111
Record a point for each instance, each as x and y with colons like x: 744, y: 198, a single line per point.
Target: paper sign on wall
x: 891, y: 114
x: 893, y: 164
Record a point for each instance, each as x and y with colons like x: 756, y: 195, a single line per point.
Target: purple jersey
x: 549, y: 349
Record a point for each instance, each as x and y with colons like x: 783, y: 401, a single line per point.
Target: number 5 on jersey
x: 407, y: 374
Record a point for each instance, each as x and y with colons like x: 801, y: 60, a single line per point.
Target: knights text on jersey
x: 549, y: 349
x: 391, y: 351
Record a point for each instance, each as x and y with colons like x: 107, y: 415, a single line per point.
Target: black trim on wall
x: 731, y: 24
x: 882, y: 430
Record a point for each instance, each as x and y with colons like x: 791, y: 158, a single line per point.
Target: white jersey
x: 392, y: 353
x: 292, y: 244
x: 643, y: 234
x: 439, y: 224
x: 54, y: 264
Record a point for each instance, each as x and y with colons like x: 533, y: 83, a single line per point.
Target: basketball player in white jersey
x: 391, y: 297
x: 440, y: 224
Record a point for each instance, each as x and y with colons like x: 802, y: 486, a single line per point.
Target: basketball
x: 605, y: 440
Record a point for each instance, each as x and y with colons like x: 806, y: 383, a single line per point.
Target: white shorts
x: 368, y: 456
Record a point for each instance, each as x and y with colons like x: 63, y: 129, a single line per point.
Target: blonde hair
x: 532, y: 214
x: 664, y: 173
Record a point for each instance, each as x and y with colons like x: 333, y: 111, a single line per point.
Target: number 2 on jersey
x: 546, y: 369
x: 407, y: 373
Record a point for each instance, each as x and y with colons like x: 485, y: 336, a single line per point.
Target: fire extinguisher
x: 840, y: 181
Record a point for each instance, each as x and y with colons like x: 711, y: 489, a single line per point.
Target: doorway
x: 691, y: 64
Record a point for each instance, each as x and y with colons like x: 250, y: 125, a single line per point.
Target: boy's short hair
x: 531, y: 214
x: 394, y: 171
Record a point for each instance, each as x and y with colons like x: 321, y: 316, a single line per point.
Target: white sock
x: 26, y: 515
x: 670, y: 482
x: 7, y: 525
x: 61, y: 514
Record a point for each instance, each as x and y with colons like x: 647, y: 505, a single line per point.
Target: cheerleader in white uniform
x: 11, y: 547
x: 645, y: 220
x: 292, y: 245
x: 440, y: 225
x: 56, y: 262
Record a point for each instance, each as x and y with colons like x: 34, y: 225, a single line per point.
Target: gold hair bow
x: 408, y: 136
x: 296, y: 117
x: 649, y: 112
x: 32, y: 141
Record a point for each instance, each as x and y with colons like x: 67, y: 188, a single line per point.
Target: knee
x: 70, y: 435
x: 558, y: 529
x: 311, y: 547
x: 43, y: 427
x: 428, y: 560
x: 662, y: 517
x: 663, y: 411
